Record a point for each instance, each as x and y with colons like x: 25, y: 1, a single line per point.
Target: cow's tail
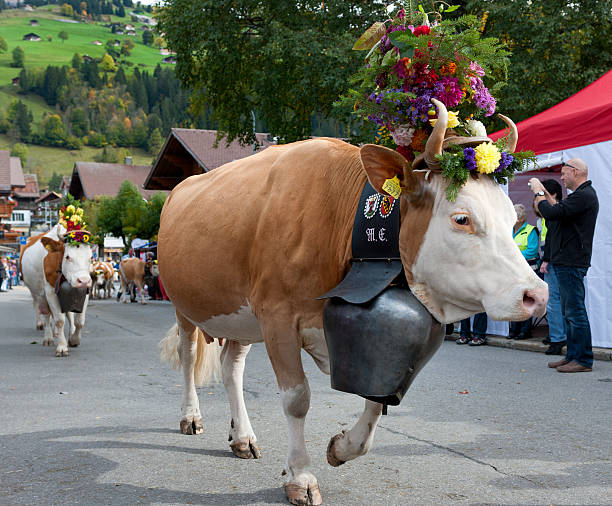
x: 207, y: 368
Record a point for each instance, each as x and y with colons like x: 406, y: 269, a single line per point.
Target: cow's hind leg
x: 242, y: 438
x: 301, y: 486
x: 191, y: 418
x: 48, y: 327
x: 38, y: 312
x: 357, y: 441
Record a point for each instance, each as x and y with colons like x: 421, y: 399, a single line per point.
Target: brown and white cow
x: 132, y: 271
x: 246, y: 249
x: 102, y: 274
x: 42, y: 260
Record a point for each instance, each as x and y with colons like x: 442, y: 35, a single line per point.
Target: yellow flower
x: 63, y: 223
x: 487, y: 157
x: 79, y: 211
x: 453, y: 120
x: 85, y: 237
x: 75, y: 218
x: 70, y: 209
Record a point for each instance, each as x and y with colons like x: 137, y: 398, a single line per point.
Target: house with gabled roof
x: 91, y: 179
x: 32, y: 37
x: 188, y: 152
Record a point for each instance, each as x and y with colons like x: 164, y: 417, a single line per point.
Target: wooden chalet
x: 188, y: 152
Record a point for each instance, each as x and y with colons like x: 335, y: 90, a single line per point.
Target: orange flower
x: 418, y: 140
x: 448, y: 68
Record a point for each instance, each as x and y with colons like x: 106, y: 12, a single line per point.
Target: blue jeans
x: 480, y: 326
x: 571, y: 289
x: 554, y: 314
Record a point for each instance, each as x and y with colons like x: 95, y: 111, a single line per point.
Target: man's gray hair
x: 521, y: 212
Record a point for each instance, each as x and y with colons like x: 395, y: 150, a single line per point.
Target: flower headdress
x: 411, y: 67
x: 71, y: 218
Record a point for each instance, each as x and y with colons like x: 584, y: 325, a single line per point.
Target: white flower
x: 402, y: 135
x: 476, y: 128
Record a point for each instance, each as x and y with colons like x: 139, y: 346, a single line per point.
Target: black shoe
x: 523, y: 335
x: 546, y: 340
x: 462, y: 340
x: 478, y: 341
x: 555, y: 348
x: 511, y: 336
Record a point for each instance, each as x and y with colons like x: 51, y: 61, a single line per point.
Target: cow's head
x: 100, y: 280
x: 74, y: 260
x: 459, y: 257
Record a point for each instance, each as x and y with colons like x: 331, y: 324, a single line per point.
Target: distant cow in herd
x: 46, y: 260
x: 132, y: 272
x: 102, y: 277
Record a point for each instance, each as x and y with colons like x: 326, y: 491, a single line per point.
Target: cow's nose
x: 83, y: 282
x: 535, y: 299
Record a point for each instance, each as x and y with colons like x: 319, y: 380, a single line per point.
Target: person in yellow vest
x: 527, y: 240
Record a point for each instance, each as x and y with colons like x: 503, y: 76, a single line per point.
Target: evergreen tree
x: 22, y: 121
x: 147, y: 37
x: 120, y: 11
x: 55, y: 182
x: 78, y: 122
x: 120, y: 76
x: 76, y: 61
x: 155, y: 142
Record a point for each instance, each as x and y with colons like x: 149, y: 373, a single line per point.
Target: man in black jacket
x: 570, y: 255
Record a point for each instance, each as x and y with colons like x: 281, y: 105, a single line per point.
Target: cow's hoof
x: 62, y: 353
x: 332, y: 459
x: 303, y: 496
x: 245, y: 449
x: 143, y: 302
x: 191, y: 425
x: 39, y: 326
x: 73, y: 343
x: 48, y: 341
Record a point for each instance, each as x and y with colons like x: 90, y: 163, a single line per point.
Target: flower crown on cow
x: 413, y: 64
x: 71, y: 218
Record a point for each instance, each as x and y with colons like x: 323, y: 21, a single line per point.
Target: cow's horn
x: 60, y: 232
x: 434, y: 142
x: 513, y: 136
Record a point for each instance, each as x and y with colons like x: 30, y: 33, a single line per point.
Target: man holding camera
x: 570, y: 254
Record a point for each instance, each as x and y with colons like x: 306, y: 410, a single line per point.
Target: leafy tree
x: 18, y: 57
x: 3, y: 45
x: 53, y: 131
x: 49, y: 38
x: 63, y: 35
x: 20, y: 150
x: 132, y: 210
x: 107, y: 155
x: 108, y: 219
x: 126, y: 47
x: 78, y: 122
x: 155, y: 142
x: 67, y: 10
x: 558, y: 48
x: 148, y: 37
x: 108, y: 64
x: 283, y: 60
x: 152, y: 215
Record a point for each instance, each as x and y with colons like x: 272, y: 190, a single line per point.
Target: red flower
x: 63, y: 209
x: 69, y: 226
x: 422, y: 30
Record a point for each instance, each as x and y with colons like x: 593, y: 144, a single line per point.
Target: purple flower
x: 470, y: 158
x: 506, y: 159
x: 477, y: 69
x: 385, y: 43
x: 482, y: 98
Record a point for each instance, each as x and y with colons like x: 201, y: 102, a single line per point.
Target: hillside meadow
x: 14, y: 24
x: 44, y: 161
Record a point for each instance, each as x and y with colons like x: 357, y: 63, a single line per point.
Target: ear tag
x: 48, y: 248
x: 392, y: 187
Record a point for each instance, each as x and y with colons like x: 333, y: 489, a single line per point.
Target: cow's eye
x: 462, y: 221
x: 68, y: 259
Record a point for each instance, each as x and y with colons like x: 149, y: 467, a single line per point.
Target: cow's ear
x: 382, y: 164
x: 51, y: 245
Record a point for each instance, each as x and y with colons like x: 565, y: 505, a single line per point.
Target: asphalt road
x: 101, y: 426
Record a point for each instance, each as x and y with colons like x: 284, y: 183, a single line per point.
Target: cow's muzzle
x: 534, y: 301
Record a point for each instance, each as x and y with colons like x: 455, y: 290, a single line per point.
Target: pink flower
x: 476, y: 69
x: 448, y: 91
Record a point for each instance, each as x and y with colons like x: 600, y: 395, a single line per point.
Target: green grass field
x: 15, y: 23
x: 44, y: 161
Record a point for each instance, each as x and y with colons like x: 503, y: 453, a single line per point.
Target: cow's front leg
x: 242, y: 438
x: 141, y: 293
x: 301, y: 486
x: 76, y: 325
x: 357, y: 441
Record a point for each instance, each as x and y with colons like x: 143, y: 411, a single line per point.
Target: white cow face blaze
x: 468, y: 261
x: 75, y: 265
